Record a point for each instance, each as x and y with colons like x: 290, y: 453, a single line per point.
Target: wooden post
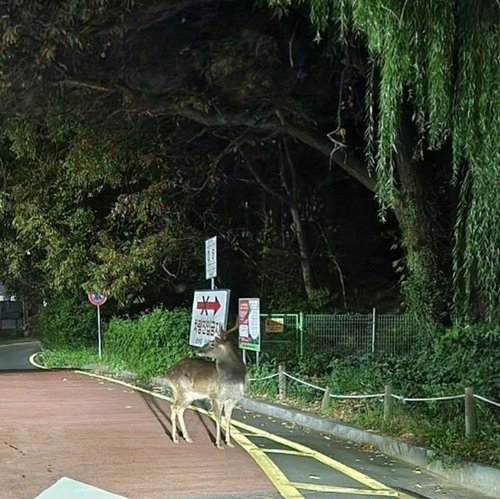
x: 325, y: 403
x: 281, y: 382
x: 388, y: 403
x: 470, y: 412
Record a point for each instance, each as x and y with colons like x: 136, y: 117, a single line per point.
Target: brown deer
x: 222, y: 381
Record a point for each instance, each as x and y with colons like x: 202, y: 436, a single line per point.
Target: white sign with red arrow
x: 209, y: 315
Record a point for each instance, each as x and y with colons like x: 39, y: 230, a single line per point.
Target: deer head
x: 219, y: 346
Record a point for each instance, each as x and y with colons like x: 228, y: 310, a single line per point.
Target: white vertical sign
x: 211, y: 258
x: 209, y: 315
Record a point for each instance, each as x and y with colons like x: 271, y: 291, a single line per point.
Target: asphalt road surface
x: 69, y: 434
x: 15, y: 356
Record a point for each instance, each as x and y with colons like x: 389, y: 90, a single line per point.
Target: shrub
x: 149, y: 344
x: 68, y: 322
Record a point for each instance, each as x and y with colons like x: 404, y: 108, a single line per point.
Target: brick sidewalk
x: 61, y: 424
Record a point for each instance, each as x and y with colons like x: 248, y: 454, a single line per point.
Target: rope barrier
x: 484, y: 399
x: 426, y: 399
x: 377, y: 395
x: 303, y: 382
x: 372, y: 396
x: 264, y: 378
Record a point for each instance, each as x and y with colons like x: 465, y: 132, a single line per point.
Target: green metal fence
x: 282, y: 335
x: 297, y: 335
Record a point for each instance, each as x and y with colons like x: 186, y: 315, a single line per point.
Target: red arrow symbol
x: 205, y: 305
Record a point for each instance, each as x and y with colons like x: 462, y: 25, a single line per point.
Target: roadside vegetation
x: 455, y: 359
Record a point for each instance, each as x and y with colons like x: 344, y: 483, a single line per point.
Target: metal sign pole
x: 99, y: 329
x: 98, y: 299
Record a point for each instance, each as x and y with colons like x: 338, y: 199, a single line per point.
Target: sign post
x: 211, y: 260
x: 98, y: 299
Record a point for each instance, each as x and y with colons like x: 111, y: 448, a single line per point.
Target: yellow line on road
x: 271, y: 470
x: 284, y: 451
x: 34, y: 363
x: 345, y: 490
x: 275, y: 475
x: 306, y: 451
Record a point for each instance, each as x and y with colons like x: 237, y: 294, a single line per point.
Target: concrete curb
x: 482, y: 479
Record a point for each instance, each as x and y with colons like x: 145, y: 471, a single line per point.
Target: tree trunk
x: 305, y: 258
x: 288, y: 197
x: 426, y: 234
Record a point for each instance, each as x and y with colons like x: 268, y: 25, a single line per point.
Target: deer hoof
x: 188, y: 440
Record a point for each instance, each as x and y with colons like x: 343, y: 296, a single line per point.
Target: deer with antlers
x: 222, y: 381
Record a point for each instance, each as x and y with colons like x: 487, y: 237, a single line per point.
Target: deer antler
x: 223, y: 333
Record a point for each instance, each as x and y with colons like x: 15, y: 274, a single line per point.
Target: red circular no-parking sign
x: 97, y: 298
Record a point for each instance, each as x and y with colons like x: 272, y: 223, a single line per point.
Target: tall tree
x: 432, y: 72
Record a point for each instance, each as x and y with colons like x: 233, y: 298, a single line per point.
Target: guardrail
x: 388, y: 397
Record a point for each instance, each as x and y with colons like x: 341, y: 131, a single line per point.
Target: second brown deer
x: 222, y: 382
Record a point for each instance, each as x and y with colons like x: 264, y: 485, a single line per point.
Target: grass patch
x: 69, y: 358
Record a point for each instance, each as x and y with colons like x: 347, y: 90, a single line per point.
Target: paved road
x: 15, y: 356
x: 62, y: 430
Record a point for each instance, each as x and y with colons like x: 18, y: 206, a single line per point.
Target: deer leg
x: 217, y: 413
x: 173, y: 417
x: 228, y: 410
x: 182, y: 424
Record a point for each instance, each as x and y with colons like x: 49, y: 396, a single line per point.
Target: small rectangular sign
x: 274, y: 325
x: 211, y: 258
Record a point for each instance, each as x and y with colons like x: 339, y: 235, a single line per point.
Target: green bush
x: 149, y: 344
x: 260, y: 382
x: 456, y: 358
x: 68, y: 322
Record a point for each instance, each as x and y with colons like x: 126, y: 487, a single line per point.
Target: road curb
x: 482, y: 479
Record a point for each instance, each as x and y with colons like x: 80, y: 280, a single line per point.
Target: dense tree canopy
x: 432, y: 72
x: 131, y: 130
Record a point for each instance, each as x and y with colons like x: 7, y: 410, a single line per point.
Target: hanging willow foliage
x: 443, y: 56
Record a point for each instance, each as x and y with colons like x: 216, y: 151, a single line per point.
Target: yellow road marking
x: 275, y: 475
x: 345, y: 490
x: 283, y: 451
x: 306, y: 451
x: 34, y: 363
x: 286, y: 488
x: 271, y: 470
